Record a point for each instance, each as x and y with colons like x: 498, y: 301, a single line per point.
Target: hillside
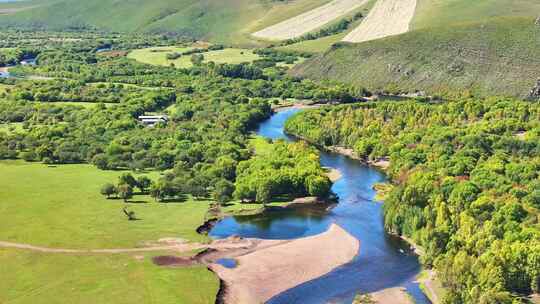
x: 224, y: 21
x: 500, y: 56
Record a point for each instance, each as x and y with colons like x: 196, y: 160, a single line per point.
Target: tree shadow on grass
x: 137, y: 202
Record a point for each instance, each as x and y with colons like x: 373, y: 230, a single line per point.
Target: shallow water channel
x: 383, y: 261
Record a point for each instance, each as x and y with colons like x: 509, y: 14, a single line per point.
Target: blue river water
x: 384, y: 261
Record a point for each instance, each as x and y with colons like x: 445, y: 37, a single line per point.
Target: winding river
x: 383, y: 261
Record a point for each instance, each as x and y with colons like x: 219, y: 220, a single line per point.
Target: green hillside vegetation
x: 497, y: 57
x: 158, y: 56
x: 430, y: 13
x: 466, y: 185
x: 229, y: 21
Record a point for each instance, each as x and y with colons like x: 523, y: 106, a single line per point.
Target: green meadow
x: 48, y: 278
x: 158, y: 56
x: 62, y: 207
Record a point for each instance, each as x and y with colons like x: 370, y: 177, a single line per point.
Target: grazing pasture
x: 48, y: 278
x: 444, y: 13
x: 62, y: 207
x: 158, y: 56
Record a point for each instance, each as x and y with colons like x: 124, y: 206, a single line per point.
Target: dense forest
x: 78, y: 105
x: 465, y: 185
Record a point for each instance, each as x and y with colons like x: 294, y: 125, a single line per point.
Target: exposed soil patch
x: 169, y: 260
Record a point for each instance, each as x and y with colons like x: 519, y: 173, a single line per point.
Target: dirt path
x: 275, y: 266
x: 172, y: 247
x: 386, y: 18
x: 309, y: 21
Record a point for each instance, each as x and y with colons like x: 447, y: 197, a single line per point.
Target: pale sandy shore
x: 280, y: 265
x: 309, y: 21
x: 386, y: 18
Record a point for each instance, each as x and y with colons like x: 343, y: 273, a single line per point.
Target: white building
x: 151, y: 120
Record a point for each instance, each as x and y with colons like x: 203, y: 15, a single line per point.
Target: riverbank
x: 280, y: 265
x: 396, y: 295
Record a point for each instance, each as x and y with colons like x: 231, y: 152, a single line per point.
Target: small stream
x: 384, y: 261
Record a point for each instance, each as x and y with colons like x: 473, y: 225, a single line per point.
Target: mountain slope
x: 226, y: 21
x: 500, y: 56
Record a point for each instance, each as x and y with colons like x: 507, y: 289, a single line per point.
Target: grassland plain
x: 158, y: 56
x: 34, y: 277
x: 431, y: 13
x: 62, y: 207
x: 500, y: 56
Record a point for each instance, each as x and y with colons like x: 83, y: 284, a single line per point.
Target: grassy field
x: 499, y: 57
x: 33, y: 277
x: 431, y: 13
x: 62, y: 207
x: 158, y: 56
x: 314, y: 46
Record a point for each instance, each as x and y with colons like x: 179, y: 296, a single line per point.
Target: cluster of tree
x: 13, y: 56
x: 467, y: 185
x: 275, y: 56
x: 212, y: 47
x: 332, y: 29
x: 211, y: 107
x: 71, y: 91
x: 87, y: 40
x: 197, y: 56
x: 291, y: 169
x: 173, y: 56
x: 124, y: 188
